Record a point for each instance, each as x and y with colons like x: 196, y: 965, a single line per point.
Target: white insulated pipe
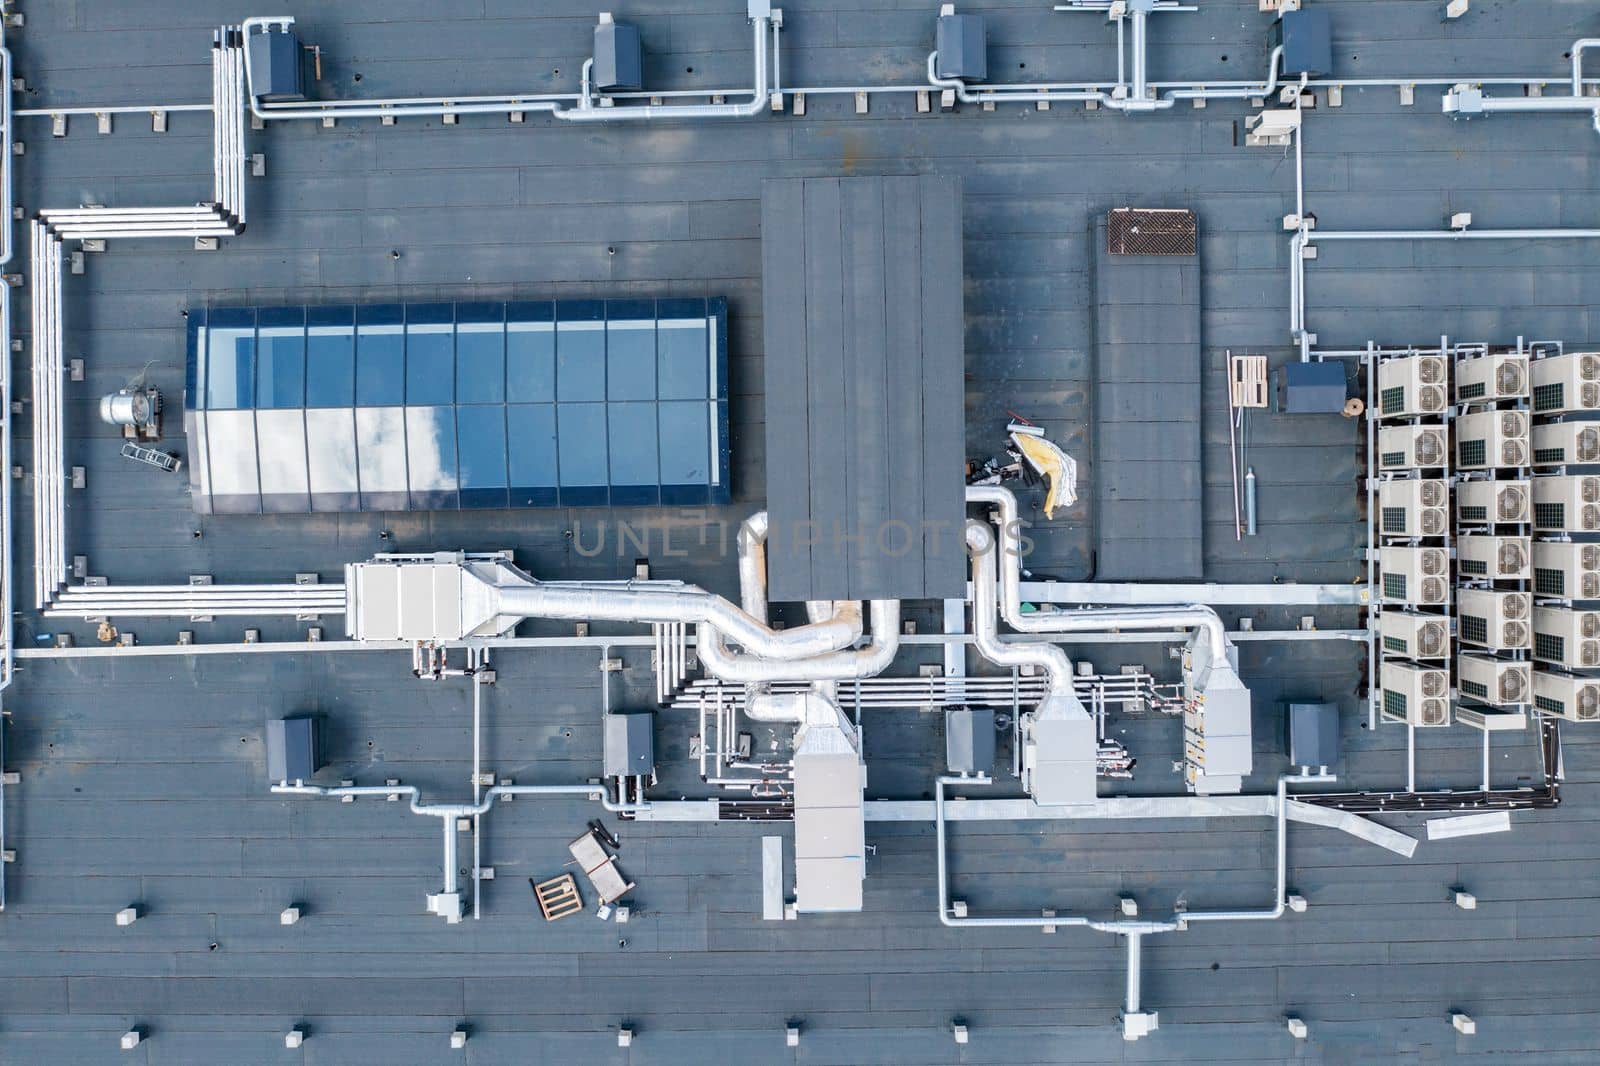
x: 1184, y: 616
x: 845, y: 665
x: 1061, y: 693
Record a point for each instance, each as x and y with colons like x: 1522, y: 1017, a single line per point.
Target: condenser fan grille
x: 1430, y: 448
x: 1433, y: 590
x: 1431, y: 639
x: 1514, y: 606
x: 1512, y: 424
x: 1514, y: 635
x: 1512, y: 505
x: 1513, y: 686
x: 1512, y: 559
x: 1512, y: 453
x: 1433, y: 683
x: 1590, y: 556
x: 1588, y: 445
x: 1508, y: 379
x: 1589, y: 624
x: 1588, y: 701
x: 1589, y: 367
x: 1433, y: 712
x: 1430, y: 371
x: 1433, y: 493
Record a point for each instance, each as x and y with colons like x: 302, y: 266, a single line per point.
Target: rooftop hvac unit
x: 1569, y: 571
x: 1415, y: 695
x: 1494, y: 558
x: 1497, y: 681
x: 1577, y: 699
x: 1566, y: 383
x: 1496, y: 620
x: 1565, y: 637
x: 1489, y: 439
x: 1419, y: 577
x: 1566, y: 503
x: 1482, y: 503
x: 1414, y: 508
x: 1562, y: 443
x: 1415, y: 385
x: 1492, y: 377
x: 1414, y: 636
x: 1411, y: 447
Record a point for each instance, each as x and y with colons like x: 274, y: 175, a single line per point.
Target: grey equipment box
x: 276, y: 69
x: 1312, y: 388
x: 1313, y: 734
x: 629, y: 745
x: 969, y: 740
x: 294, y: 748
x: 1307, y: 42
x: 618, y: 57
x: 963, y: 48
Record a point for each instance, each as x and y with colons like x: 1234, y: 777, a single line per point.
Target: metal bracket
x: 80, y: 478
x: 103, y: 121
x: 200, y: 580
x: 158, y: 121
x: 206, y: 244
x: 58, y: 125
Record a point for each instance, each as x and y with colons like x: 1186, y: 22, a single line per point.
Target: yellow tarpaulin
x: 1050, y: 462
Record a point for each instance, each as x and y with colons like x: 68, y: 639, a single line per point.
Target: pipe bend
x: 848, y: 665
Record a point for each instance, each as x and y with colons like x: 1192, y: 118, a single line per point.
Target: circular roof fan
x: 1433, y: 712
x: 1429, y: 448
x: 1514, y: 606
x: 1512, y: 558
x: 1588, y: 445
x: 1431, y: 639
x: 1430, y: 370
x: 1508, y: 379
x: 1589, y: 366
x: 1433, y: 562
x: 1512, y: 503
x: 1513, y: 686
x: 1433, y: 492
x: 1512, y: 424
x: 1515, y: 634
x: 1589, y: 702
x: 1433, y: 590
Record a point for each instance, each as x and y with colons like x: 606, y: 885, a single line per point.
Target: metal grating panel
x: 1135, y: 231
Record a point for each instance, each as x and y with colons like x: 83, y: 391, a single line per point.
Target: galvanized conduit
x: 585, y: 111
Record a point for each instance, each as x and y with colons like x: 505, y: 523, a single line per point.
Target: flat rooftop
x: 142, y: 777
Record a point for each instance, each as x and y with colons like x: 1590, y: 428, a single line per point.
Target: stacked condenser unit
x: 1455, y: 503
x: 1565, y: 617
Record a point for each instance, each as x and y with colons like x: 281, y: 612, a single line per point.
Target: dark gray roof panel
x: 864, y: 360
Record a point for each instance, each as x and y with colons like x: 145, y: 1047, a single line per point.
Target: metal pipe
x: 1140, y: 89
x: 1280, y: 901
x: 867, y: 661
x: 1061, y: 695
x: 1135, y: 943
x: 1185, y: 616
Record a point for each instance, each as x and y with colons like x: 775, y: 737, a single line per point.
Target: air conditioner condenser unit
x: 1419, y: 577
x: 1563, y: 384
x: 1494, y: 558
x: 1499, y: 621
x: 1566, y: 570
x: 1576, y: 699
x: 1414, y: 636
x: 1412, y: 447
x: 1566, y: 503
x: 1565, y: 637
x: 1415, y: 507
x: 1492, y: 377
x: 1566, y: 444
x: 1414, y: 385
x: 1501, y: 682
x: 1487, y: 440
x: 1415, y: 695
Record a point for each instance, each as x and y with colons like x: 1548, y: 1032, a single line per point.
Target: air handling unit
x: 1566, y: 570
x: 1414, y: 636
x: 1500, y: 682
x: 1563, y: 384
x: 1495, y: 620
x: 1413, y: 386
x: 1490, y: 439
x: 1419, y: 577
x: 1564, y: 443
x: 1416, y: 695
x: 1492, y: 377
x: 1412, y: 447
x: 1481, y: 503
x: 1566, y: 637
x: 1566, y: 503
x: 1494, y: 558
x: 1577, y: 699
x: 1414, y: 508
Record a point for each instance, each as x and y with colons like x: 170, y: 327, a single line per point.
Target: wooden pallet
x: 1248, y: 376
x: 558, y: 897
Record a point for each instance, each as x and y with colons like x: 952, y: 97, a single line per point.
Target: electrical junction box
x: 963, y: 48
x: 618, y: 57
x: 1307, y: 43
x: 629, y: 745
x: 1313, y: 734
x: 294, y: 748
x: 276, y: 70
x: 969, y: 740
x: 1312, y: 388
